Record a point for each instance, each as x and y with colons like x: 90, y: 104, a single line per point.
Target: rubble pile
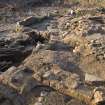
x: 53, y: 60
x: 84, y: 26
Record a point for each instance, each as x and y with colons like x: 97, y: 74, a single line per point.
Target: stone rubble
x: 53, y: 67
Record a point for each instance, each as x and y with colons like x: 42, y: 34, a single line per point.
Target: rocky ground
x: 50, y: 56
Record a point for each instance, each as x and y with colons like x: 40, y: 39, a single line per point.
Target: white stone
x: 99, y: 95
x: 40, y: 99
x: 74, y: 85
x: 47, y: 74
x: 38, y: 103
x: 92, y: 78
x: 43, y: 93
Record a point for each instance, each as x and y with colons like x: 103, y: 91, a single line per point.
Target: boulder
x: 19, y: 78
x: 99, y: 95
x: 92, y: 79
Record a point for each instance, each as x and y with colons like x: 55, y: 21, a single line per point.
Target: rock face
x: 17, y: 55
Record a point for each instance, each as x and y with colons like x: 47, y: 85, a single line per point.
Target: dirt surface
x: 51, y: 55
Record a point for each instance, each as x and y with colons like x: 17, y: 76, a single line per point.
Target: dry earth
x: 51, y: 56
